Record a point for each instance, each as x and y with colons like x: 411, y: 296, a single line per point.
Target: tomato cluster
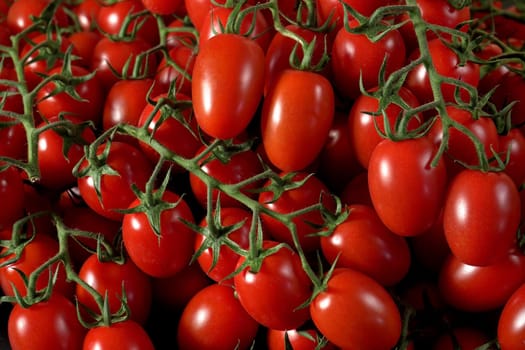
x: 271, y: 174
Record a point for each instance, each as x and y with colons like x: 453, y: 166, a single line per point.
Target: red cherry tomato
x: 403, y: 170
x: 110, y: 279
x: 165, y: 255
x: 213, y: 311
x: 297, y: 115
x: 227, y: 85
x: 273, y: 294
x: 481, y: 216
x: 354, y: 311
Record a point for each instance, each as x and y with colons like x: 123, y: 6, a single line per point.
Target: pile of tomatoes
x: 254, y: 174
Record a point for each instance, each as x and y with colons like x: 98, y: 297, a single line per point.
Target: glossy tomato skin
x: 460, y: 146
x: 111, y: 278
x: 297, y: 115
x: 438, y: 12
x: 121, y: 335
x: 124, y: 103
x: 310, y: 193
x: 169, y: 254
x: 481, y: 216
x: 51, y: 324
x: 300, y: 340
x: 447, y: 64
x: 184, y: 57
x: 355, y: 57
x: 112, y: 16
x: 480, y: 288
x: 161, y: 7
x: 281, y: 47
x: 35, y: 253
x: 55, y: 167
x: 20, y: 13
x: 510, y: 326
x: 364, y: 244
x: 272, y: 294
x: 354, y: 311
x: 12, y: 193
x: 132, y: 167
x: 333, y: 10
x: 227, y: 85
x: 216, y: 313
x: 227, y: 260
x: 402, y: 170
x: 178, y: 133
x: 241, y: 166
x: 89, y: 108
x: 362, y: 125
x: 115, y: 54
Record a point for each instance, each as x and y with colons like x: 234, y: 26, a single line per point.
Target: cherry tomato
x: 227, y: 258
x: 364, y: 244
x: 481, y: 216
x: 125, y: 101
x: 297, y: 115
x: 131, y: 166
x: 227, y: 85
x: 110, y: 57
x: 21, y: 14
x: 162, y: 7
x: 111, y: 279
x: 55, y: 162
x: 354, y: 311
x: 112, y: 16
x: 308, y: 339
x: 121, y: 335
x: 241, y: 166
x: 447, y: 64
x: 273, y: 294
x: 87, y: 106
x: 50, y: 324
x: 333, y: 10
x: 312, y: 191
x: 177, y: 132
x: 213, y: 311
x: 87, y: 12
x: 481, y: 288
x: 437, y: 12
x: 355, y: 58
x: 281, y: 47
x: 37, y: 252
x: 184, y: 59
x: 364, y: 136
x: 403, y: 170
x: 460, y: 146
x: 510, y: 326
x: 164, y: 255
